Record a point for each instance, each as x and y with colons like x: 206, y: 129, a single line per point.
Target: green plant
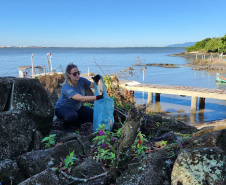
x: 173, y: 148
x: 150, y: 114
x: 108, y: 82
x: 105, y: 142
x: 77, y: 131
x: 164, y: 143
x: 49, y: 141
x: 69, y: 161
x: 138, y: 148
x: 88, y: 104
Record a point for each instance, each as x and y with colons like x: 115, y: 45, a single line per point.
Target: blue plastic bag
x: 103, y: 108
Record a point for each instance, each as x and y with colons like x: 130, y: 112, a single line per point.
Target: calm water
x: 111, y: 60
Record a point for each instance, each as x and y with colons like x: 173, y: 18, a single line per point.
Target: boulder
x: 35, y: 162
x: 157, y: 125
x: 151, y: 170
x: 52, y: 84
x: 10, y: 173
x: 16, y: 130
x: 36, y: 143
x: 30, y: 96
x: 5, y: 91
x: 46, y: 177
x: 128, y: 135
x: 211, y: 139
x: 199, y: 166
x: 87, y: 169
x: 85, y: 141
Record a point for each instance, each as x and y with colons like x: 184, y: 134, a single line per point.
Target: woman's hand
x: 96, y: 78
x: 100, y: 97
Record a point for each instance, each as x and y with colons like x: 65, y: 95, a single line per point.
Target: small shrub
x: 49, y: 141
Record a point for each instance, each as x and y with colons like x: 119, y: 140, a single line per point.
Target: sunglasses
x: 76, y: 73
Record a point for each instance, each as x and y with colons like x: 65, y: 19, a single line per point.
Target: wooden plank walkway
x: 179, y: 90
x: 194, y: 92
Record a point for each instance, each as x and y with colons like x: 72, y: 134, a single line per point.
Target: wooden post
x: 202, y: 57
x: 150, y: 97
x: 201, y: 103
x: 143, y: 74
x: 32, y: 64
x: 196, y: 57
x: 192, y: 117
x: 48, y: 66
x: 157, y: 96
x: 158, y: 107
x: 193, y: 103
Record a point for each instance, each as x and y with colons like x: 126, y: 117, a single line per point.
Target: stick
x: 79, y: 179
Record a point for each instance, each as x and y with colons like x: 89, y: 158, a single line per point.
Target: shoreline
x: 204, y: 61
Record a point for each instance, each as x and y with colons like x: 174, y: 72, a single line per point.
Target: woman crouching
x: 69, y: 106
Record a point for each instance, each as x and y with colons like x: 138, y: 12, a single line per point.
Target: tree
x: 198, y: 45
x: 214, y: 45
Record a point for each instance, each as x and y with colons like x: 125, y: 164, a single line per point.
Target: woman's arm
x: 91, y: 85
x: 81, y: 98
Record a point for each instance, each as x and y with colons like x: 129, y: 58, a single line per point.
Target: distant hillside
x: 186, y: 44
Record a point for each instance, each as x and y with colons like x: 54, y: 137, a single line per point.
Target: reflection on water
x: 220, y: 85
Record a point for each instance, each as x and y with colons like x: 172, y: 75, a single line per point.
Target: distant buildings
x: 22, y: 46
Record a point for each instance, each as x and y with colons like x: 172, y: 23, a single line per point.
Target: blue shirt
x: 67, y: 92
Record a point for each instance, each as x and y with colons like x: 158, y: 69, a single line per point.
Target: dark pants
x: 74, y: 118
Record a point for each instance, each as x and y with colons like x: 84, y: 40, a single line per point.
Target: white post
x: 32, y: 65
x: 88, y: 71
x: 143, y: 74
x: 51, y: 62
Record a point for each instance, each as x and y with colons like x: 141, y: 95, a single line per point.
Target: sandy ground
x: 212, y: 124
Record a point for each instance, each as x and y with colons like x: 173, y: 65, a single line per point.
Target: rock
x: 86, y: 142
x: 36, y: 143
x: 5, y: 91
x: 35, y: 162
x: 48, y: 177
x: 128, y: 136
x: 52, y: 85
x: 151, y: 170
x: 16, y: 130
x: 10, y: 173
x: 29, y: 96
x: 169, y: 137
x: 199, y: 166
x: 212, y: 139
x: 87, y: 169
x: 157, y: 125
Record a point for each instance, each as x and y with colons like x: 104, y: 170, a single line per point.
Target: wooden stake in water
x: 50, y: 57
x: 143, y: 74
x: 32, y: 65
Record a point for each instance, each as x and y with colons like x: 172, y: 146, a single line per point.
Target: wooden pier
x: 194, y: 92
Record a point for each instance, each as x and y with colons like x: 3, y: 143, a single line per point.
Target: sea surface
x: 112, y: 60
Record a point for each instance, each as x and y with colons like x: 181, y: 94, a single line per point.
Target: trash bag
x: 103, y: 108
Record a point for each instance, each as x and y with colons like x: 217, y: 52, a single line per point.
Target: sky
x: 109, y: 23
